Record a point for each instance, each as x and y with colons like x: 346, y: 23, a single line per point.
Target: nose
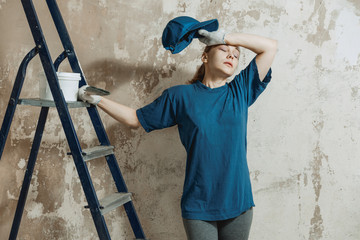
x: 230, y: 55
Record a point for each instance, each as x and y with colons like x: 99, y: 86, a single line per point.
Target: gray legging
x: 231, y: 229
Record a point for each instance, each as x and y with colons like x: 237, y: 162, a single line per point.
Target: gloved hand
x: 212, y: 38
x: 84, y: 96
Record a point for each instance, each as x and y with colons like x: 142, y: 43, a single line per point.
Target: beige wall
x: 303, y: 133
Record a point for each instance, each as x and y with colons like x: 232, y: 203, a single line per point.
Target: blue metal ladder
x: 97, y: 207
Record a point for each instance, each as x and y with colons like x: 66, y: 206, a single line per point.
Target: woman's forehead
x: 234, y: 48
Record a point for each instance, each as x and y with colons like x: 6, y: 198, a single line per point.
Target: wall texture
x: 303, y: 132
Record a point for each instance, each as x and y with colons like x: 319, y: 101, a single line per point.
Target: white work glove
x: 212, y: 38
x: 84, y: 96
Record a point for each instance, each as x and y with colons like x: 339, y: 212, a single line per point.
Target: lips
x: 228, y: 63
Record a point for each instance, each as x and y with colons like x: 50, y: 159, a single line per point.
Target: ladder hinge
x: 87, y: 206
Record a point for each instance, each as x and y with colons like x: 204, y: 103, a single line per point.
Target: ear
x: 204, y: 58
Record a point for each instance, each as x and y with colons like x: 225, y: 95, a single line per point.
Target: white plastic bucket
x: 69, y: 84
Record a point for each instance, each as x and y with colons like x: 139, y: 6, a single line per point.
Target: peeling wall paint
x: 303, y: 132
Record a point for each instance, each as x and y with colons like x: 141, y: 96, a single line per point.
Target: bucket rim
x: 68, y: 74
x: 64, y: 74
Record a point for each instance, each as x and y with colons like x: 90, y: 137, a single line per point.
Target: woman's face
x: 221, y: 60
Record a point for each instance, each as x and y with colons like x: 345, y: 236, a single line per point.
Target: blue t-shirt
x: 212, y: 125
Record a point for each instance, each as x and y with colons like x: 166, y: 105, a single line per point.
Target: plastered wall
x: 303, y: 132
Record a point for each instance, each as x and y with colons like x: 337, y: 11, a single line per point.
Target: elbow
x: 133, y: 121
x: 134, y: 124
x: 270, y: 47
x: 274, y: 45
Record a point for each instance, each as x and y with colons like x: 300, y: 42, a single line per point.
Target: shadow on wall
x: 147, y: 179
x: 110, y: 74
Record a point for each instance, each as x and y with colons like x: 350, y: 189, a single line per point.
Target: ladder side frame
x: 28, y: 173
x: 65, y: 118
x: 14, y: 98
x: 95, y: 117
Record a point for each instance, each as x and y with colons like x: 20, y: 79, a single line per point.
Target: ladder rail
x: 28, y: 173
x: 121, y: 187
x: 65, y: 118
x: 94, y: 116
x: 14, y: 98
x: 50, y: 68
x: 65, y: 39
x: 75, y: 66
x: 59, y: 59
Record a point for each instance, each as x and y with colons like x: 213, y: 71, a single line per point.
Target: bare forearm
x: 264, y: 47
x: 255, y: 43
x: 119, y: 112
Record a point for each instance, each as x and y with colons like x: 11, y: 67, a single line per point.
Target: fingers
x: 203, y: 32
x: 82, y: 94
x: 82, y: 90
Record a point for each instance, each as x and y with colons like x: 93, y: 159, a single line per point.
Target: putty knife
x: 97, y: 91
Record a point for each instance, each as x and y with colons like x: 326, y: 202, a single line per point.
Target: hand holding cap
x: 212, y: 38
x: 180, y: 31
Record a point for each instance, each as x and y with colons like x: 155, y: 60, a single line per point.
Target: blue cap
x: 180, y: 31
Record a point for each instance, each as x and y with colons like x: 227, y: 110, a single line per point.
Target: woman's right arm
x: 264, y: 47
x: 119, y: 112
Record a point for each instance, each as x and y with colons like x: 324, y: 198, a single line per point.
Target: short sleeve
x: 248, y: 82
x: 158, y: 114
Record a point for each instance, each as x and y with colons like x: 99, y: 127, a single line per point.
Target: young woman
x: 211, y: 115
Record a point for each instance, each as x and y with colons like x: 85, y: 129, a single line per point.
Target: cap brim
x: 189, y: 34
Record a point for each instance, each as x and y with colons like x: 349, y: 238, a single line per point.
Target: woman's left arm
x: 265, y: 48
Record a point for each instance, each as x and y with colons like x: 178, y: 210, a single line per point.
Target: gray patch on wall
x: 317, y: 227
x: 356, y: 4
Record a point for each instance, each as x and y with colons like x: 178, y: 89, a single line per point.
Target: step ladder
x: 97, y: 207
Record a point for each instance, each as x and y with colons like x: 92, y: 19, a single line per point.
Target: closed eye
x: 236, y: 54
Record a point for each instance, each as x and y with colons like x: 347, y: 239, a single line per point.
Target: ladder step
x: 113, y: 201
x: 46, y: 103
x: 97, y: 152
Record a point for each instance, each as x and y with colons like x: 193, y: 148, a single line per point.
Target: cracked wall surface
x: 303, y: 132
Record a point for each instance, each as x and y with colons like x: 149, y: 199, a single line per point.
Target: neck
x: 213, y: 81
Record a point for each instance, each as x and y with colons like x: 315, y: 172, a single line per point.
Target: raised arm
x: 265, y: 48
